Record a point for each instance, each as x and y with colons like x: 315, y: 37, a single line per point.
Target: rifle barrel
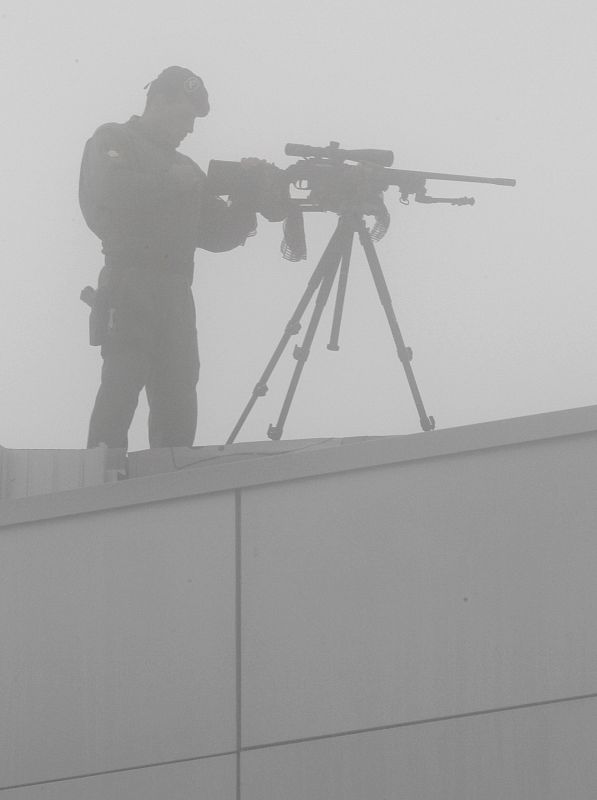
x: 392, y: 177
x: 396, y: 175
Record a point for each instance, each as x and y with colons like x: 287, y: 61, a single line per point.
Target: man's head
x: 174, y: 99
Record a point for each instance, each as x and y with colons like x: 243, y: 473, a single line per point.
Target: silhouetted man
x: 149, y: 206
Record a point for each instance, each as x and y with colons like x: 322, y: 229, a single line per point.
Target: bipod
x: 336, y: 256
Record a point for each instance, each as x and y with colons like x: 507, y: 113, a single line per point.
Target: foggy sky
x: 496, y: 300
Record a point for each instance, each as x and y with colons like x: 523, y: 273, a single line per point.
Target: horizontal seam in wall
x: 340, y: 734
x: 413, y: 723
x: 116, y: 771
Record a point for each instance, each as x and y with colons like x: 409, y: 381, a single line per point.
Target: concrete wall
x: 421, y: 629
x: 118, y: 643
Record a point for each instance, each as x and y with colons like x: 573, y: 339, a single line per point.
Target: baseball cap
x: 175, y: 80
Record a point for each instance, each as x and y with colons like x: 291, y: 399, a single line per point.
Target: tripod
x: 336, y: 257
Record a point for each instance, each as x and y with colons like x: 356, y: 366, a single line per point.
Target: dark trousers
x: 153, y: 345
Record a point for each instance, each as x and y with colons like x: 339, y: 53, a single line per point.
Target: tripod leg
x: 302, y: 353
x: 404, y: 353
x: 339, y: 307
x: 328, y: 261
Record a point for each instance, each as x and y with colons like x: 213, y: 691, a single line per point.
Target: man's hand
x: 270, y: 192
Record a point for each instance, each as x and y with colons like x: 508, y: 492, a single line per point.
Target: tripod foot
x: 427, y: 423
x: 274, y: 433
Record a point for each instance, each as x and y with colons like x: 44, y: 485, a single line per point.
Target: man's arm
x: 112, y: 182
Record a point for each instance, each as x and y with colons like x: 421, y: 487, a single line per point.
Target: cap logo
x: 191, y: 85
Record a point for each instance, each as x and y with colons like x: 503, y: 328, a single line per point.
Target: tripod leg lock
x: 293, y: 328
x: 405, y: 354
x: 274, y: 433
x: 260, y: 390
x: 301, y: 353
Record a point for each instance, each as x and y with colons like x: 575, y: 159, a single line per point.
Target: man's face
x: 176, y: 119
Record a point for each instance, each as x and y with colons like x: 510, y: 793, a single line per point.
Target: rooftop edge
x: 259, y: 463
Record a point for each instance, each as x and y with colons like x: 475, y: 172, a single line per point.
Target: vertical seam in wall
x: 238, y: 636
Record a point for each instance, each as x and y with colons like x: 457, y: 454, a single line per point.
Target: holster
x: 99, y: 317
x: 102, y: 312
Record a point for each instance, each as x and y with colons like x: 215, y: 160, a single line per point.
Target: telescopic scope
x: 381, y: 158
